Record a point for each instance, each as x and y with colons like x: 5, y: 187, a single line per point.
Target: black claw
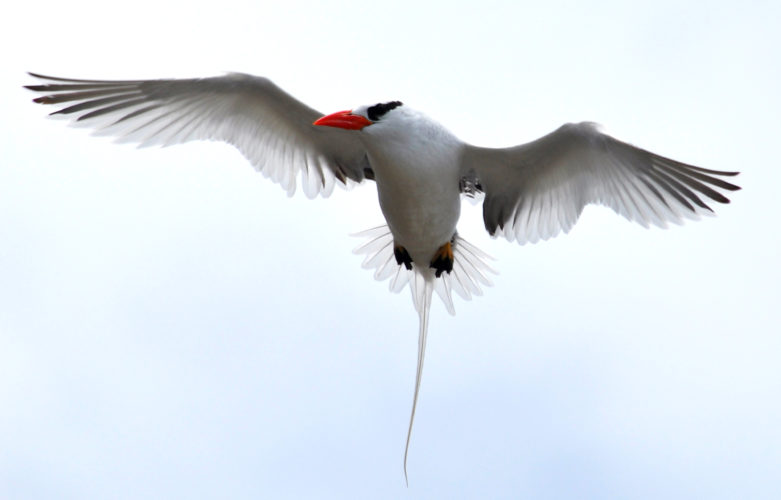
x: 402, y: 257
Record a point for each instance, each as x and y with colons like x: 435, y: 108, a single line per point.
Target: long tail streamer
x: 422, y: 290
x: 470, y: 273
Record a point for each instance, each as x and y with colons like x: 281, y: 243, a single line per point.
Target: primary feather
x: 272, y: 129
x: 537, y: 190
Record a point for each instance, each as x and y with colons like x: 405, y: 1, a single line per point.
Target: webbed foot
x: 402, y: 257
x: 443, y: 259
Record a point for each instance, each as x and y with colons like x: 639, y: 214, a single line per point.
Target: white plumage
x: 532, y: 191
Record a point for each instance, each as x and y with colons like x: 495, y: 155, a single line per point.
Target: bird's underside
x: 530, y: 192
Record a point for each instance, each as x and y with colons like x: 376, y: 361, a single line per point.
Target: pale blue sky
x: 173, y: 326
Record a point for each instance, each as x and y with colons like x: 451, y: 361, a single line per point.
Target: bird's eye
x: 376, y: 112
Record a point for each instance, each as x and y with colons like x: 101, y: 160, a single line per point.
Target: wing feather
x: 537, y: 190
x: 270, y: 128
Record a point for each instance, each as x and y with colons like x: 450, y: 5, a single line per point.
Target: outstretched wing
x: 536, y: 190
x: 272, y: 129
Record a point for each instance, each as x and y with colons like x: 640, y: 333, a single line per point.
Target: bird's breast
x: 418, y: 190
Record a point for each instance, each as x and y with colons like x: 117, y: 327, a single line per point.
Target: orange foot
x: 443, y: 259
x: 402, y: 257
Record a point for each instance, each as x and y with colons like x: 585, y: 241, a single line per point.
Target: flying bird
x: 530, y: 192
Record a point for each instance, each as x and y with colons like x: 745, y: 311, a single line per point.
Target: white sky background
x: 173, y: 326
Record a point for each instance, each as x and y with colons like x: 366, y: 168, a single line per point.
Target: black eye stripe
x: 375, y: 112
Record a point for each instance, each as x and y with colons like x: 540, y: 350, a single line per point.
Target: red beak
x: 343, y: 119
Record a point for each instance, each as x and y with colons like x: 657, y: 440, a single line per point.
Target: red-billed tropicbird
x: 532, y: 191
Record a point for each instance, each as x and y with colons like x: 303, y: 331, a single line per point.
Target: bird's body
x: 416, y: 167
x: 532, y: 191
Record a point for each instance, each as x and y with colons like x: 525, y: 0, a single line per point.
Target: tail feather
x: 469, y: 274
x: 422, y: 288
